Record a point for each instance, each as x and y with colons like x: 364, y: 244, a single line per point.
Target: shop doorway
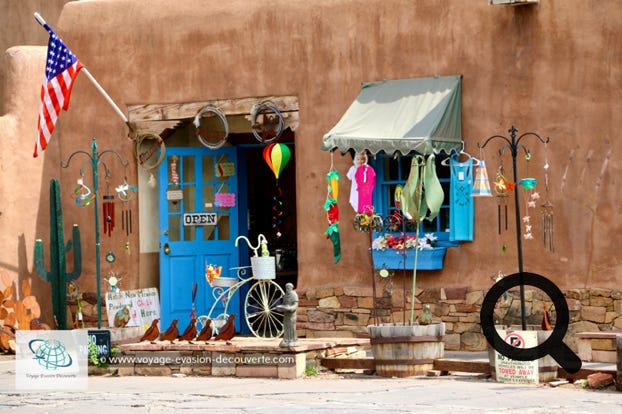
x: 254, y: 202
x: 196, y: 229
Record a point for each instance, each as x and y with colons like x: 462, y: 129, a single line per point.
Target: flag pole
x: 42, y: 22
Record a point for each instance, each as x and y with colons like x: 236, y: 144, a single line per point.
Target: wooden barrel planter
x: 406, y: 350
x: 547, y: 366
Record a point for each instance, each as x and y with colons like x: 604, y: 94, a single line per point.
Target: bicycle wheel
x: 262, y: 317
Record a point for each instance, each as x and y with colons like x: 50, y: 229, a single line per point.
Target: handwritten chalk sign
x: 143, y: 304
x: 517, y: 372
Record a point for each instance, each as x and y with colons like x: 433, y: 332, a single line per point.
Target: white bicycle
x: 260, y: 304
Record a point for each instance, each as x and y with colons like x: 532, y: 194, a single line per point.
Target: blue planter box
x: 427, y: 259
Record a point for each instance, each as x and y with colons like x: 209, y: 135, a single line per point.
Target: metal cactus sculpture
x: 58, y: 275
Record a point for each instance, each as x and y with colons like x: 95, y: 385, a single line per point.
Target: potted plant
x: 410, y: 348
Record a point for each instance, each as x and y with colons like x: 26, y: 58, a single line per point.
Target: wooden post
x: 619, y: 367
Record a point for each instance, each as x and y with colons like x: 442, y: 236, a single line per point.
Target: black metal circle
x: 554, y: 345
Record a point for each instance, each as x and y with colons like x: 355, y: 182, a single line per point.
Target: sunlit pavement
x: 325, y: 392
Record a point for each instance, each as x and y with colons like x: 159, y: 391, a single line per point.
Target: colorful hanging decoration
x: 547, y: 212
x: 422, y: 195
x: 174, y: 174
x: 83, y: 193
x: 212, y: 272
x: 277, y: 155
x: 502, y: 187
x: 332, y: 211
x: 113, y: 282
x: 481, y: 185
x: 126, y: 192
x: 529, y: 184
x: 365, y: 177
x: 360, y: 159
x: 108, y: 210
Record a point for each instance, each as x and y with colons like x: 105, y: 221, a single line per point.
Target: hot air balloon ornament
x: 277, y: 156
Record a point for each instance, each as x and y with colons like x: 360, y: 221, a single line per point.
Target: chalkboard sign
x: 101, y: 339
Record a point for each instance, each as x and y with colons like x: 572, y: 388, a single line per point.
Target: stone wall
x: 346, y: 311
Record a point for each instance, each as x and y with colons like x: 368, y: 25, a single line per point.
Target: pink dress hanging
x: 365, y: 177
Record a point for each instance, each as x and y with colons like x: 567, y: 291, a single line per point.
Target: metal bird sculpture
x: 206, y: 332
x: 151, y: 334
x: 190, y: 332
x: 228, y: 329
x: 171, y: 333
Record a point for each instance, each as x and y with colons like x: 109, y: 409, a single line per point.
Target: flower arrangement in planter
x: 410, y: 349
x: 398, y: 252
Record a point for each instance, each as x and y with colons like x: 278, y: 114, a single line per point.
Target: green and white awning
x: 418, y: 114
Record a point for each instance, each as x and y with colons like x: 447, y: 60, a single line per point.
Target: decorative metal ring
x: 145, y: 156
x: 259, y: 109
x: 223, y: 119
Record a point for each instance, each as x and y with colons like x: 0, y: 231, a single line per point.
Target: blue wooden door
x: 198, y: 221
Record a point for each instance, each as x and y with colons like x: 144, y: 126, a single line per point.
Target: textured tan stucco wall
x: 18, y: 27
x: 553, y: 69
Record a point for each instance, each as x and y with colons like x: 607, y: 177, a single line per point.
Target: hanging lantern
x: 481, y: 185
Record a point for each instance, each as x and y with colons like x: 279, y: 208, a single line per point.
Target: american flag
x: 61, y: 69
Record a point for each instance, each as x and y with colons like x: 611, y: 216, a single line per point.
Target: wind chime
x: 547, y: 210
x: 126, y: 192
x: 108, y: 208
x: 277, y: 155
x: 502, y: 187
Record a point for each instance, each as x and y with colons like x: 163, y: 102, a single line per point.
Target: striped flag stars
x: 62, y: 67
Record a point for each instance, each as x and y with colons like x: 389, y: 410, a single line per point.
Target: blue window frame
x: 393, y: 171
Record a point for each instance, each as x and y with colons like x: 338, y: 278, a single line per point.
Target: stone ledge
x: 588, y: 344
x: 242, y: 356
x: 599, y: 335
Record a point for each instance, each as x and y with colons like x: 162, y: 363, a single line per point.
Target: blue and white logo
x: 51, y: 360
x: 50, y: 353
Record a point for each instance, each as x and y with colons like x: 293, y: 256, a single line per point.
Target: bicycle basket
x: 264, y: 267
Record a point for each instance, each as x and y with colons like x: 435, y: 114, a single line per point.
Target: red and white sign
x: 517, y: 372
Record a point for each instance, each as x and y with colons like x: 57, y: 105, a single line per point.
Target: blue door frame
x: 198, y: 222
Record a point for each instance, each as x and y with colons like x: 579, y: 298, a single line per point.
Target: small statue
x: 425, y: 318
x: 289, y: 308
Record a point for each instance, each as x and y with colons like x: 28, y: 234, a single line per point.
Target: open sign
x: 200, y: 219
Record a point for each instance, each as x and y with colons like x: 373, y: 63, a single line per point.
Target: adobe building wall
x: 551, y: 68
